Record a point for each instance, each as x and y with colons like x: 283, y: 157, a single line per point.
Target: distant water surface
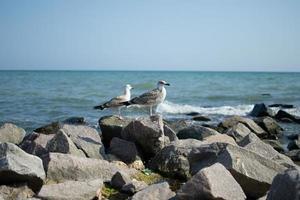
x: 33, y: 98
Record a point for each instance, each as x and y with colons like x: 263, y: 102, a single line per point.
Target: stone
x: 75, y: 121
x: 86, y: 139
x: 157, y: 191
x: 293, y: 145
x: 253, y: 172
x: 119, y: 179
x: 270, y: 126
x: 148, y: 135
x: 196, y: 132
x: 201, y: 118
x: 112, y: 126
x: 214, y: 182
x: 282, y: 105
x: 61, y: 143
x: 177, y: 125
x: 285, y: 186
x: 17, y: 166
x: 134, y: 186
x: 49, y: 128
x: 124, y: 150
x: 294, y: 155
x: 238, y: 132
x: 15, y: 192
x: 63, y: 167
x: 285, y: 115
x: 260, y: 110
x: 275, y: 144
x: 71, y: 190
x: 11, y: 133
x: 223, y: 138
x: 193, y: 114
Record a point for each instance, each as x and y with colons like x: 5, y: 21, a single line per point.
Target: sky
x: 204, y: 35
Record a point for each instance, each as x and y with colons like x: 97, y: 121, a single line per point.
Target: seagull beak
x: 168, y: 84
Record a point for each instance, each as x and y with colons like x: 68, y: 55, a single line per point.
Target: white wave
x: 172, y: 108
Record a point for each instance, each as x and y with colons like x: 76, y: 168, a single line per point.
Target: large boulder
x: 15, y: 192
x: 214, y: 182
x: 157, y: 191
x: 86, y: 139
x: 49, y: 128
x: 238, y: 132
x: 260, y: 110
x: 124, y: 150
x: 11, y: 133
x: 253, y: 172
x: 177, y: 125
x: 120, y: 179
x: 62, y: 167
x: 270, y: 126
x: 17, y: 166
x: 112, y: 126
x: 294, y: 155
x: 285, y: 186
x: 284, y: 116
x: 72, y: 190
x: 196, y: 132
x: 276, y: 145
x: 148, y: 134
x: 223, y: 138
x: 61, y: 143
x: 249, y: 123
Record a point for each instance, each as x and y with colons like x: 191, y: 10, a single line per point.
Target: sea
x: 31, y: 99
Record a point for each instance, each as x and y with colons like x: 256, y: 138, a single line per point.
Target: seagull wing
x: 146, y: 98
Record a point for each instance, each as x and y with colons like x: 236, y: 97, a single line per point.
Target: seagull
x: 151, y: 98
x: 117, y: 102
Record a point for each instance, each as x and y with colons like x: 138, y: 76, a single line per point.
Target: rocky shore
x: 152, y: 158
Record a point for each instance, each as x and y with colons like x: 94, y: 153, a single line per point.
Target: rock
x: 223, y: 138
x: 284, y: 115
x: 124, y: 150
x: 275, y: 144
x: 292, y: 145
x: 252, y: 143
x: 294, y: 155
x: 293, y: 136
x: 285, y: 186
x: 270, y: 126
x: 193, y: 114
x: 137, y: 164
x: 201, y: 118
x: 170, y: 133
x: 62, y: 167
x: 259, y: 110
x: 49, y: 128
x: 11, y: 133
x: 173, y: 159
x: 214, y: 182
x: 134, y: 187
x: 61, y: 143
x: 147, y: 134
x: 253, y: 172
x: 71, y: 190
x: 112, y: 126
x: 119, y: 179
x: 281, y: 105
x: 249, y: 123
x: 196, y: 132
x: 75, y: 121
x: 18, y: 192
x: 238, y: 132
x: 17, y: 166
x: 157, y: 191
x: 177, y: 125
x: 86, y: 139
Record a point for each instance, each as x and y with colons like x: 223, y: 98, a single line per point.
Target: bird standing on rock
x: 151, y: 98
x: 117, y: 102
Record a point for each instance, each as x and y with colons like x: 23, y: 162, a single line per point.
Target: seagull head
x: 162, y: 83
x: 128, y: 87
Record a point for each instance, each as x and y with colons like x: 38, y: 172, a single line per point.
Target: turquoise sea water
x: 34, y: 98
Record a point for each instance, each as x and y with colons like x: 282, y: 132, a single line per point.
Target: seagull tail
x: 101, y: 107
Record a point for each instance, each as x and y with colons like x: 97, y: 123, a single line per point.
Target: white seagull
x: 117, y: 102
x: 151, y: 98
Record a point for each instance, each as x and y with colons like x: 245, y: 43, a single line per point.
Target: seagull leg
x: 150, y: 111
x: 119, y: 112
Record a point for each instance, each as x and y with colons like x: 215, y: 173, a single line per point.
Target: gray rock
x: 238, y: 132
x: 17, y: 166
x: 260, y: 110
x: 112, y: 126
x: 275, y: 144
x: 159, y: 191
x: 214, y: 182
x: 249, y: 123
x: 75, y: 121
x: 270, y: 126
x: 292, y: 145
x: 148, y: 134
x: 134, y: 186
x: 253, y: 172
x: 196, y: 132
x: 71, y: 190
x: 62, y: 167
x: 222, y: 138
x: 123, y: 149
x: 120, y: 179
x: 49, y: 128
x: 61, y: 143
x: 86, y: 139
x: 283, y: 115
x: 286, y: 186
x: 15, y: 192
x: 201, y: 118
x: 294, y: 154
x: 177, y: 125
x: 11, y: 133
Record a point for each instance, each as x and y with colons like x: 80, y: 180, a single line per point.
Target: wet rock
x: 260, y: 110
x: 11, y: 133
x: 281, y: 105
x: 17, y: 166
x: 193, y: 114
x: 292, y: 145
x: 157, y: 191
x: 285, y: 186
x: 148, y: 134
x: 75, y: 121
x: 293, y: 136
x: 253, y: 172
x: 238, y: 132
x: 134, y: 186
x: 124, y: 150
x: 49, y: 128
x: 71, y: 190
x: 275, y: 144
x: 112, y: 126
x: 281, y: 115
x: 201, y: 118
x: 120, y: 179
x: 294, y: 155
x: 196, y: 132
x: 61, y: 143
x: 270, y: 126
x: 214, y: 182
x: 15, y: 192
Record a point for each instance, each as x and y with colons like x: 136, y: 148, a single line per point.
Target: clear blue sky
x: 243, y: 35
